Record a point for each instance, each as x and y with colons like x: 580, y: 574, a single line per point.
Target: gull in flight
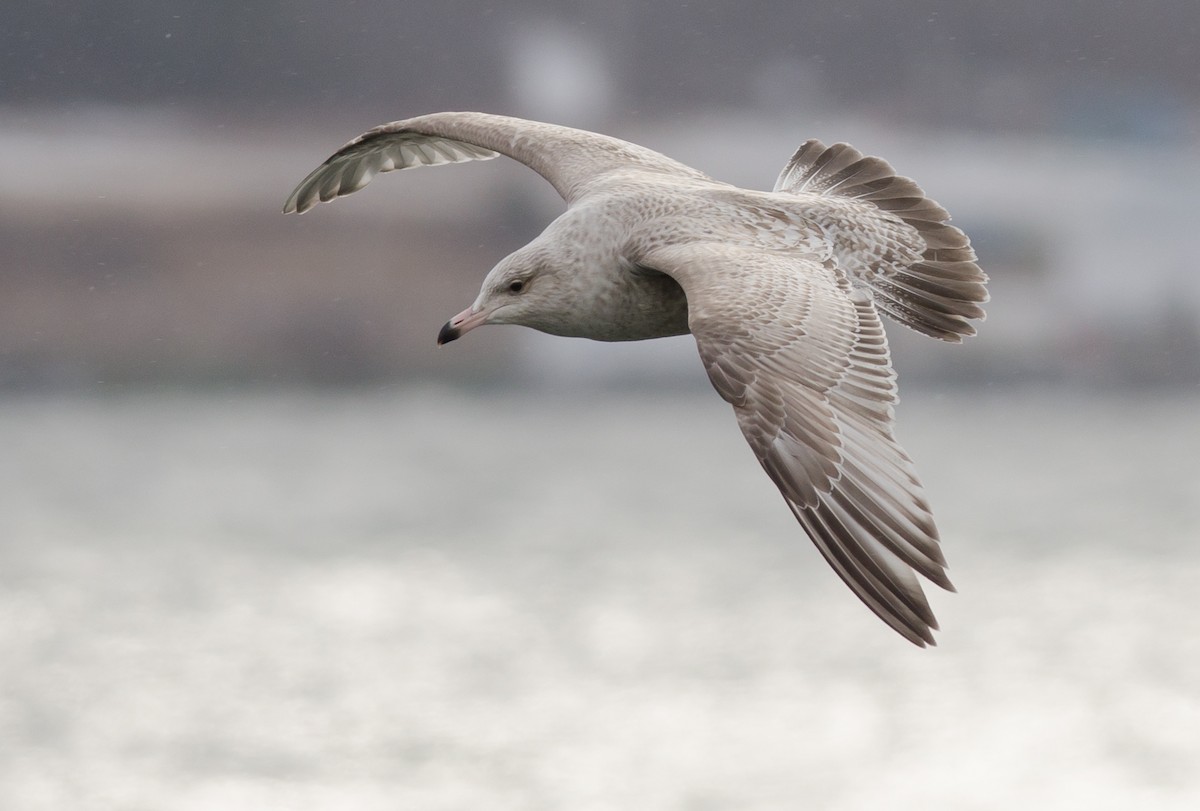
x: 782, y: 291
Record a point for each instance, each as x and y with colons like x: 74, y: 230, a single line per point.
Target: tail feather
x: 935, y: 295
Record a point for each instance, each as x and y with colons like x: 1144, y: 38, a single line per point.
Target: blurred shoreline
x: 140, y: 248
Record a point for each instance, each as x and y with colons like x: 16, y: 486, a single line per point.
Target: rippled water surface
x: 440, y: 599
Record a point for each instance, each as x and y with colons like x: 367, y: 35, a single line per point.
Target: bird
x: 782, y: 291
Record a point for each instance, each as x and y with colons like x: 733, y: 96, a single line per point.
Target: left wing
x: 568, y: 158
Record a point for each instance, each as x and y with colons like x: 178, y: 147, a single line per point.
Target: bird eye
x: 516, y: 286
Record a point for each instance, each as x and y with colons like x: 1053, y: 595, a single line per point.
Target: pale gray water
x: 441, y: 600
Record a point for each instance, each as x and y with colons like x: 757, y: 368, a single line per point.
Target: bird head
x: 522, y: 289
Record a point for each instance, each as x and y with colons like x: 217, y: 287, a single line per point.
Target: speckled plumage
x: 781, y: 290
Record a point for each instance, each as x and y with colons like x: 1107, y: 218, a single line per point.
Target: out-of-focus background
x: 263, y: 545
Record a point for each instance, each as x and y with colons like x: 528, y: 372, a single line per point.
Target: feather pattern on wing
x: 802, y: 357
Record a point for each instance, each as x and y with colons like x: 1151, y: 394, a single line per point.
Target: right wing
x: 803, y: 359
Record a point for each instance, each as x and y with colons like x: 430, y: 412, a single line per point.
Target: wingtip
x: 924, y: 636
x: 294, y: 205
x: 920, y: 637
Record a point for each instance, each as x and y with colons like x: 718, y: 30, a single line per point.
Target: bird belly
x: 639, y: 307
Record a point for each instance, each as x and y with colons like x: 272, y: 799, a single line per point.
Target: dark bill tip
x: 448, y: 333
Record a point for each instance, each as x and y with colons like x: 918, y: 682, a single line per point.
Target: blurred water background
x: 263, y: 545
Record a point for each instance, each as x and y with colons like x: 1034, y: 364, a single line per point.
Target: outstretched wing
x: 802, y: 357
x: 568, y: 158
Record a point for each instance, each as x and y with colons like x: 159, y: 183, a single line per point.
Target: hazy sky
x: 1049, y: 62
